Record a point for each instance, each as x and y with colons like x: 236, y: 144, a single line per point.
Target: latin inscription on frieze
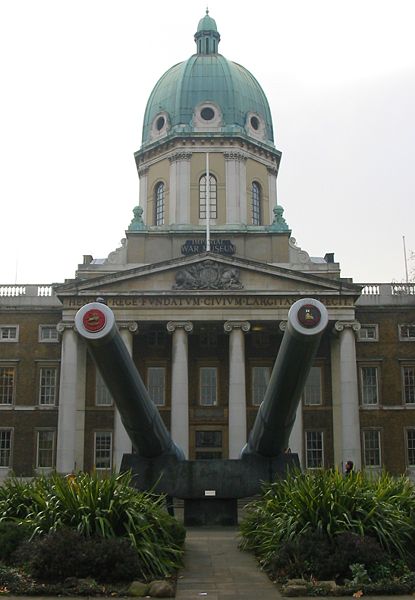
x: 204, y: 301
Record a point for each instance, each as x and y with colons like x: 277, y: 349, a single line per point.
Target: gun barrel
x: 95, y: 322
x: 307, y: 320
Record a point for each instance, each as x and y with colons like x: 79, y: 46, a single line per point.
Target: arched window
x: 159, y: 204
x: 256, y: 204
x: 212, y: 196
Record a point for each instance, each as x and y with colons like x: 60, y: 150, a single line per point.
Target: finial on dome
x: 207, y: 10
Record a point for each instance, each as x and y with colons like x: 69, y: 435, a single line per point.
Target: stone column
x: 180, y: 384
x: 346, y: 423
x: 143, y: 175
x: 179, y: 196
x: 71, y: 414
x: 237, y: 386
x: 272, y: 191
x: 122, y: 443
x: 235, y: 174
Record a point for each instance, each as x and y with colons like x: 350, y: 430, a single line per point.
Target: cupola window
x: 212, y: 196
x: 256, y: 204
x: 159, y: 204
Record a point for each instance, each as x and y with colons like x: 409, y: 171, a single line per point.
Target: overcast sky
x: 75, y: 79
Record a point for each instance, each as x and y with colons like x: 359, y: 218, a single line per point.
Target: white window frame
x: 4, y: 451
x: 309, y: 393
x: 213, y: 197
x: 362, y: 334
x: 49, y: 339
x: 378, y: 465
x: 50, y: 466
x: 364, y: 389
x: 404, y: 387
x: 102, y: 393
x: 9, y: 339
x: 320, y: 450
x: 256, y: 395
x: 157, y: 392
x: 108, y: 434
x: 13, y: 388
x: 203, y: 387
x: 51, y: 388
x: 411, y: 334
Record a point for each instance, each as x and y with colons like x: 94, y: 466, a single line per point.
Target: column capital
x: 272, y: 170
x: 142, y: 171
x: 231, y: 325
x: 63, y: 325
x: 173, y: 325
x: 282, y: 326
x: 180, y: 156
x: 340, y: 326
x: 235, y: 155
x: 132, y: 326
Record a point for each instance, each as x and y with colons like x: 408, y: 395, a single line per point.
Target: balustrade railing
x: 22, y: 290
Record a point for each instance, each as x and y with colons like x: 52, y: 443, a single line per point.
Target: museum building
x: 201, y: 287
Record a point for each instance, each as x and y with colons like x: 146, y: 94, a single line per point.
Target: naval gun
x: 210, y: 488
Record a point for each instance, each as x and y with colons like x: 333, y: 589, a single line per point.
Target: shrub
x: 12, y: 534
x: 66, y: 553
x: 106, y: 508
x: 327, y: 505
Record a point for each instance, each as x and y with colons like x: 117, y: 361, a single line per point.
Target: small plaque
x: 210, y: 492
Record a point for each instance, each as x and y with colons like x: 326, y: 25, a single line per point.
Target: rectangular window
x: 408, y: 376
x: 208, y: 386
x: 208, y: 444
x: 48, y: 333
x: 312, y: 390
x: 7, y: 383
x: 260, y: 380
x: 208, y: 339
x: 407, y: 332
x: 314, y: 449
x: 156, y: 338
x: 410, y: 447
x: 369, y: 386
x: 45, y: 449
x: 5, y: 447
x: 9, y: 333
x: 368, y: 333
x: 47, y: 391
x: 102, y: 395
x: 156, y: 382
x: 103, y: 450
x: 371, y: 448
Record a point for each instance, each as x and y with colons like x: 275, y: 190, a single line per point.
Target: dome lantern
x: 207, y: 37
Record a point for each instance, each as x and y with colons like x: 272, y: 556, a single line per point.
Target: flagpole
x: 207, y: 204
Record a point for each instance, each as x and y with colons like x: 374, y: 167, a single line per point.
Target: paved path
x: 216, y: 570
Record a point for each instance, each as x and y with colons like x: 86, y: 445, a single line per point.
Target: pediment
x: 208, y: 272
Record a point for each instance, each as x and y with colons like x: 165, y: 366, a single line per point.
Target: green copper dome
x: 207, y: 94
